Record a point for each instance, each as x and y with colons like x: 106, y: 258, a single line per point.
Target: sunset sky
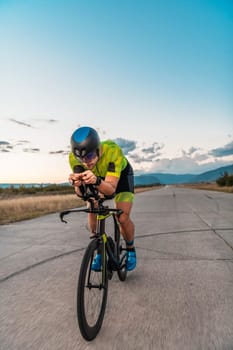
x: 154, y: 75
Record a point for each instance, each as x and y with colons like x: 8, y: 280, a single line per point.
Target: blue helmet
x: 84, y: 140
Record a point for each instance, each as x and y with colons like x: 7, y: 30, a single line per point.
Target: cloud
x: 21, y: 142
x: 35, y: 121
x: 126, y: 145
x: 148, y: 149
x: 195, y: 153
x: 224, y: 151
x: 5, y: 146
x: 200, y: 157
x: 62, y: 152
x: 152, y: 152
x: 31, y: 150
x: 194, y: 160
x: 190, y: 151
x: 51, y: 121
x: 151, y: 158
x: 154, y: 148
x: 179, y: 165
x: 46, y: 120
x: 143, y: 155
x: 137, y: 158
x: 21, y: 123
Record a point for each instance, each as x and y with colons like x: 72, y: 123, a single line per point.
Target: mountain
x: 172, y: 179
x: 213, y: 175
x: 162, y: 178
x: 147, y: 179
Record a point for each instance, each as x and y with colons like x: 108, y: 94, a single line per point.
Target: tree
x: 225, y: 180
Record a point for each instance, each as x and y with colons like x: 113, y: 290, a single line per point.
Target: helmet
x: 85, y: 140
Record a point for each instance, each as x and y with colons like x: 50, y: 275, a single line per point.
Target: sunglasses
x: 88, y: 156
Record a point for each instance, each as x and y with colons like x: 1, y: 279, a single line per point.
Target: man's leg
x: 126, y: 224
x: 127, y: 231
x: 92, y: 223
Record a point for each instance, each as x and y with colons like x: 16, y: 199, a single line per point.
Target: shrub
x: 229, y: 181
x: 225, y: 180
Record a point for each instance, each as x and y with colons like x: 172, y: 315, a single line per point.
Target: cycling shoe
x: 96, y: 263
x: 131, y: 260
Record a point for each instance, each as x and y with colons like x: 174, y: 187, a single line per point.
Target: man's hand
x: 87, y: 177
x: 76, y: 179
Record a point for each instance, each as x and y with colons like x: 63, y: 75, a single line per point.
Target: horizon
x: 136, y: 175
x: 154, y: 77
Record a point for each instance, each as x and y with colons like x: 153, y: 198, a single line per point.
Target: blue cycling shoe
x: 96, y: 263
x: 131, y: 260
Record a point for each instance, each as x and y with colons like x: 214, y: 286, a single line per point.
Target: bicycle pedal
x: 121, y: 249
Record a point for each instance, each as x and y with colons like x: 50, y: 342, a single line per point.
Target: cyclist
x: 103, y: 164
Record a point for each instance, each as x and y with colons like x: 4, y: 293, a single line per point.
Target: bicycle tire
x: 92, y: 292
x: 120, y: 251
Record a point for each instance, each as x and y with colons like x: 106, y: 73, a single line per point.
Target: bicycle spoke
x: 92, y: 294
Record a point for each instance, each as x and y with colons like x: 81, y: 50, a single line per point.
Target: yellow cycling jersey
x: 111, y: 162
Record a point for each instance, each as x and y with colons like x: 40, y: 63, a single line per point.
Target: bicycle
x: 92, y: 287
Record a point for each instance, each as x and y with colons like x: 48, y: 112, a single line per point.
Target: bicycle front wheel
x: 92, y: 292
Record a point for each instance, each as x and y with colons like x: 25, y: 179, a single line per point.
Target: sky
x: 153, y: 75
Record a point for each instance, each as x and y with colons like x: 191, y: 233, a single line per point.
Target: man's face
x: 90, y: 160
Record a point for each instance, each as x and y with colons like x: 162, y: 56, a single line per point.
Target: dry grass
x: 208, y: 186
x: 27, y: 207
x: 21, y: 208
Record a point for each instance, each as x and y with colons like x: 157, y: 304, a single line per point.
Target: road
x: 180, y: 297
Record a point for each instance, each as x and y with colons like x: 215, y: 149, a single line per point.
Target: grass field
x: 209, y: 187
x: 21, y: 207
x: 28, y: 207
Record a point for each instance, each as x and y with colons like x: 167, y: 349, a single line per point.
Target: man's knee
x: 123, y: 218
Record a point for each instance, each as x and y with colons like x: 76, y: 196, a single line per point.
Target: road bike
x: 92, y: 287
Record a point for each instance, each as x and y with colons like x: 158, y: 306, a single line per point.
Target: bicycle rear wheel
x: 92, y: 292
x: 120, y: 251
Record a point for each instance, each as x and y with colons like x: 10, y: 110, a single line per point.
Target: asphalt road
x: 180, y: 297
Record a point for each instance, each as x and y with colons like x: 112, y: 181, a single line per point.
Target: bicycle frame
x: 95, y: 282
x: 102, y: 213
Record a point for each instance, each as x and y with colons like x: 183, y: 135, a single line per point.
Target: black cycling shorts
x: 126, y: 181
